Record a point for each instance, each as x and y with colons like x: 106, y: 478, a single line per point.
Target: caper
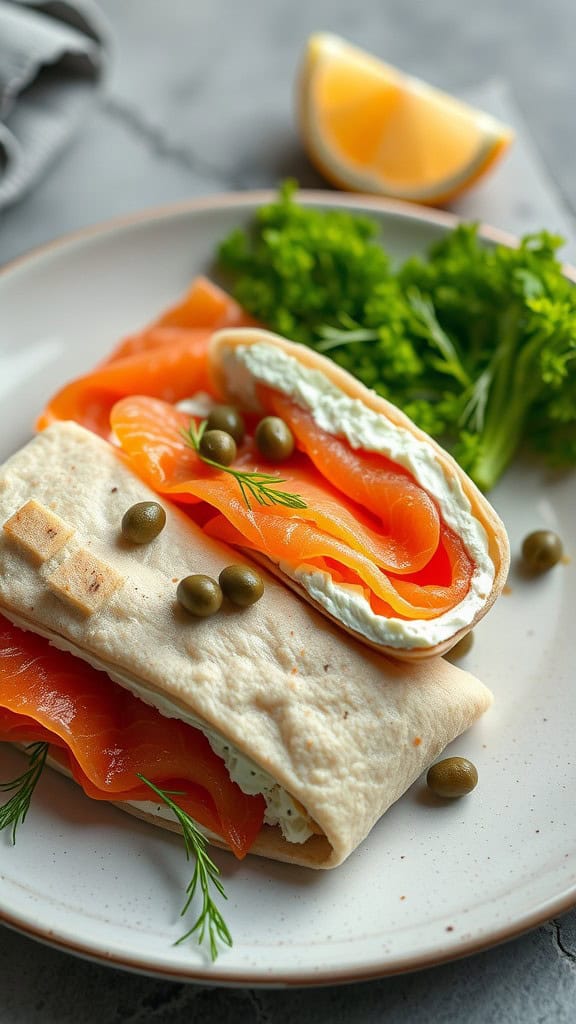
x: 274, y: 438
x: 227, y: 418
x: 241, y: 585
x: 452, y: 777
x: 199, y: 595
x: 218, y: 446
x: 143, y: 522
x: 541, y: 550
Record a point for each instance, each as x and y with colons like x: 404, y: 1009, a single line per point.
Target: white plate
x: 431, y: 882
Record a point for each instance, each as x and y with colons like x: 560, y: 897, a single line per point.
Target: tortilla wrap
x: 342, y: 729
x: 330, y: 394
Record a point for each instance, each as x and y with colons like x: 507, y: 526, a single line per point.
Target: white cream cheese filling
x: 200, y: 404
x: 281, y: 809
x: 163, y: 812
x: 338, y: 414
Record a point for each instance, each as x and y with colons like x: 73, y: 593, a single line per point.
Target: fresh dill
x: 263, y: 487
x: 15, y: 810
x: 210, y: 921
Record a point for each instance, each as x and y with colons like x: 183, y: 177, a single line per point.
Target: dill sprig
x: 261, y: 486
x: 210, y: 919
x: 14, y: 812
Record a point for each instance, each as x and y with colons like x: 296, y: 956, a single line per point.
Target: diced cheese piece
x: 84, y: 581
x: 38, y: 530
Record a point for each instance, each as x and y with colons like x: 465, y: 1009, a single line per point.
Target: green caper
x: 541, y: 550
x: 241, y: 585
x: 200, y: 595
x: 143, y: 522
x: 227, y: 418
x: 274, y: 438
x: 452, y: 777
x: 461, y: 649
x: 218, y: 446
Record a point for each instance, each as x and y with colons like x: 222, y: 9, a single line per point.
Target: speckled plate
x: 431, y: 883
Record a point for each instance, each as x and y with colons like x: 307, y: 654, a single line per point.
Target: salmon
x: 388, y: 542
x: 167, y: 360
x: 105, y: 736
x: 391, y: 543
x: 204, y: 306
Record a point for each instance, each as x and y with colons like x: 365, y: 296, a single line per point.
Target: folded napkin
x: 52, y: 60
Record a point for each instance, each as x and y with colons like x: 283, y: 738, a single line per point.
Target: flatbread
x: 236, y: 382
x: 342, y: 729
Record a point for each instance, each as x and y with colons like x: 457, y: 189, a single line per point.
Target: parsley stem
x: 335, y: 337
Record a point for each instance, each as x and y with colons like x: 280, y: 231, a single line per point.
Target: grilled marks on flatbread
x: 81, y: 579
x: 84, y: 581
x: 40, y: 532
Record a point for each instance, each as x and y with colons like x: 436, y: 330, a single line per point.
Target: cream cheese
x: 338, y: 414
x: 280, y: 807
x: 200, y: 404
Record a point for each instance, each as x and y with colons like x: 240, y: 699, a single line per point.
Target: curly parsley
x: 476, y: 343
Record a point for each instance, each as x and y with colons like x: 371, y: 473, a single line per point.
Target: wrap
x: 395, y: 476
x: 340, y: 729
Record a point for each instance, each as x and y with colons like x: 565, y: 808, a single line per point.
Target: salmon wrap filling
x: 105, y: 737
x: 391, y: 539
x: 391, y: 546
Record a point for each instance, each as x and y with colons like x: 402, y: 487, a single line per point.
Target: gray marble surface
x: 199, y: 101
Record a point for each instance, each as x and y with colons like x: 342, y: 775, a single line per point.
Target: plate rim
x: 257, y: 197
x: 246, y: 977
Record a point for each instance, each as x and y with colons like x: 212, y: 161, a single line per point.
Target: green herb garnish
x: 14, y: 812
x: 210, y: 920
x: 475, y: 342
x: 263, y: 487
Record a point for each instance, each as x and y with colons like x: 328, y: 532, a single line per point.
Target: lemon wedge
x: 370, y: 128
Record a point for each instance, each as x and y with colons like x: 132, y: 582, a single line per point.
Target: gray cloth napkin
x: 52, y: 60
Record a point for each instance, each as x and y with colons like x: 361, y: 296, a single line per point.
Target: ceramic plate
x: 431, y: 882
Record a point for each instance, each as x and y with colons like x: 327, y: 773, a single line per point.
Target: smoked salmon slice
x: 204, y: 306
x: 167, y: 359
x: 105, y: 736
x: 171, y: 371
x: 395, y: 546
